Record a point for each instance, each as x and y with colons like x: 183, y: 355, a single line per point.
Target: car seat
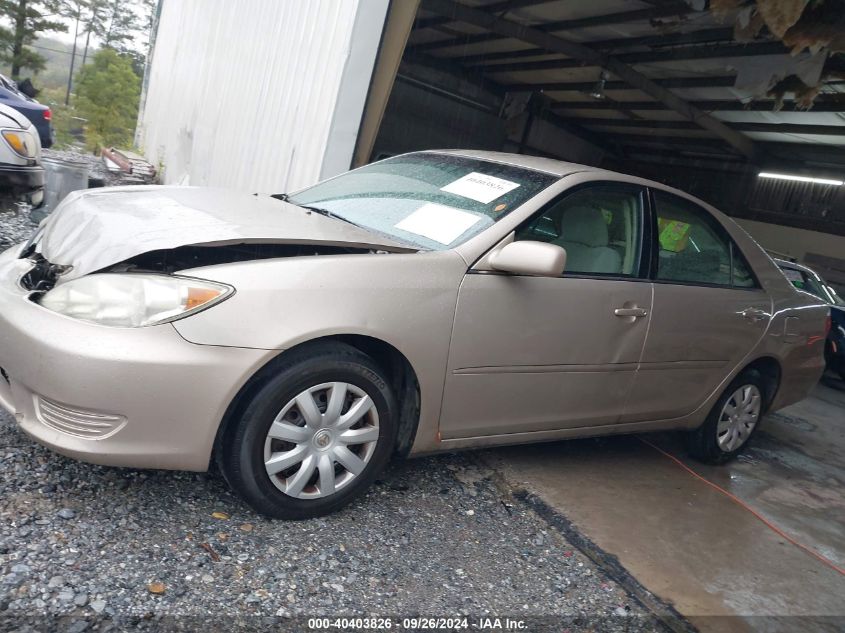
x: 583, y: 233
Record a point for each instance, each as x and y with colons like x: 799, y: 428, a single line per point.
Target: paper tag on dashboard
x: 480, y: 187
x: 438, y: 222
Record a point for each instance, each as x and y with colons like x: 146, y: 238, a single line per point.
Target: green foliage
x: 108, y: 92
x: 28, y: 18
x: 65, y: 118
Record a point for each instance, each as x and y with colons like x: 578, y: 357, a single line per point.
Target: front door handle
x: 754, y: 314
x: 630, y: 312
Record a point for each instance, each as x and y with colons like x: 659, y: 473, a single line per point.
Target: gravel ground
x: 15, y: 225
x: 434, y: 537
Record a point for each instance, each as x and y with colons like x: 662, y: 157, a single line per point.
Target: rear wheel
x: 314, y: 436
x: 732, y: 421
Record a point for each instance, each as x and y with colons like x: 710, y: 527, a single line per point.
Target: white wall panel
x: 245, y: 94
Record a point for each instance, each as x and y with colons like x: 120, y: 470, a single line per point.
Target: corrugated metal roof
x: 695, y: 50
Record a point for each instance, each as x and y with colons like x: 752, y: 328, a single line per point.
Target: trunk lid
x: 97, y: 228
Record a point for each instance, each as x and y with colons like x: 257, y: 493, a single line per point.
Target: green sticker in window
x: 673, y: 234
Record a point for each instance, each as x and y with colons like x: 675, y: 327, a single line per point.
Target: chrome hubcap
x: 321, y: 440
x: 739, y: 417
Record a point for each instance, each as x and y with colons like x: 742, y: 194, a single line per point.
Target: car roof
x: 562, y: 168
x: 538, y: 163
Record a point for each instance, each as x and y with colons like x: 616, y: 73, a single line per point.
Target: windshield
x: 433, y: 201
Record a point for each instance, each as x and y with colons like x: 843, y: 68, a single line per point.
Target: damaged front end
x: 165, y: 230
x: 44, y: 275
x: 123, y: 256
x: 151, y: 288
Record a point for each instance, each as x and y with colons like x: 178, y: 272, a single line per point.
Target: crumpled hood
x: 97, y: 228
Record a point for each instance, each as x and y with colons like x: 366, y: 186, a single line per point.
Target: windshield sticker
x: 480, y: 187
x: 437, y: 222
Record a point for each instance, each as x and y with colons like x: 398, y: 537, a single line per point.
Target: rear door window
x: 694, y: 248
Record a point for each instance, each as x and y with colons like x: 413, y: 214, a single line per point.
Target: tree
x: 150, y: 9
x: 29, y: 18
x: 108, y: 91
x: 114, y: 22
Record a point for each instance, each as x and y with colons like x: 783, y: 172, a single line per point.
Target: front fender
x: 406, y: 300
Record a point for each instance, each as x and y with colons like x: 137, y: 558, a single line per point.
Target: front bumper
x: 22, y: 178
x: 135, y: 397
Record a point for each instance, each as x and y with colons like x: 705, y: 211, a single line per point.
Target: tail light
x: 48, y: 115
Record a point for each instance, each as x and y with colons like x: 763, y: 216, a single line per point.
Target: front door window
x: 598, y: 226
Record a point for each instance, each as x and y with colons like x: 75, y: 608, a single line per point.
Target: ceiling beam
x: 821, y: 104
x: 656, y: 139
x: 679, y: 8
x: 555, y: 44
x: 495, y: 7
x: 777, y: 152
x: 778, y: 128
x: 685, y: 53
x: 587, y: 86
x: 470, y: 75
x: 655, y: 41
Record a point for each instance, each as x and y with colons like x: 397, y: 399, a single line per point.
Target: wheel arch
x: 770, y: 368
x: 397, y: 368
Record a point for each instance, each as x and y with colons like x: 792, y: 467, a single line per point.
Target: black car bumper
x: 22, y: 179
x: 23, y: 183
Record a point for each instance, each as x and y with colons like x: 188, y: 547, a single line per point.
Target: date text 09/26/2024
x: 417, y: 623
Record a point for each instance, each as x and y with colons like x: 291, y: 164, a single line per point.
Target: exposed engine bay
x: 44, y: 275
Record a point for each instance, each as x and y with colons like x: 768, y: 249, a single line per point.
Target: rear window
x: 432, y: 201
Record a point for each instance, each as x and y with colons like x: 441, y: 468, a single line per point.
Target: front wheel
x: 314, y: 436
x: 732, y: 421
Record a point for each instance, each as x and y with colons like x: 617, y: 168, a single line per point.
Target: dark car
x: 808, y: 280
x: 39, y: 114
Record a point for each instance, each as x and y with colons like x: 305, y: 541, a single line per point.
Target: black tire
x: 241, y: 456
x: 703, y: 444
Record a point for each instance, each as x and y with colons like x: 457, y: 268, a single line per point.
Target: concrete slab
x: 692, y: 545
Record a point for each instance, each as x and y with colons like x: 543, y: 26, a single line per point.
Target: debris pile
x: 134, y: 169
x: 105, y: 172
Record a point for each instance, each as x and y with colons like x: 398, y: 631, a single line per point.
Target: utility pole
x: 73, y: 55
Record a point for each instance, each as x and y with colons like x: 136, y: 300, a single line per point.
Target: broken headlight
x: 133, y: 299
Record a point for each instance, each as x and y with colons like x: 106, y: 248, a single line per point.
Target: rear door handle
x: 754, y: 314
x: 630, y: 312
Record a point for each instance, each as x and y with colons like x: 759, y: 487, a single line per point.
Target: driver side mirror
x: 529, y: 258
